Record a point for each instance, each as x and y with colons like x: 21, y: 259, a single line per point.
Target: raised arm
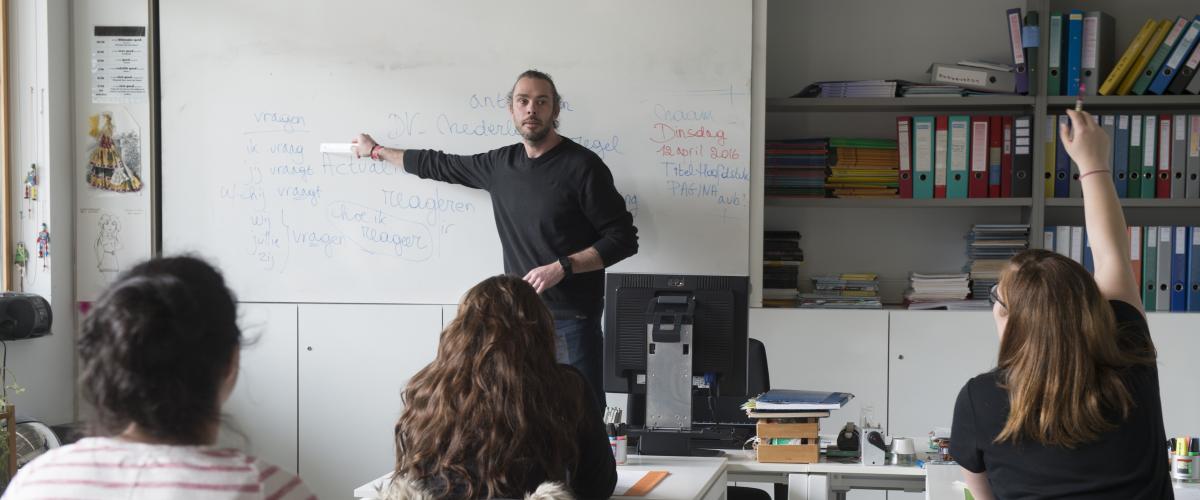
x: 1089, y: 146
x: 472, y: 171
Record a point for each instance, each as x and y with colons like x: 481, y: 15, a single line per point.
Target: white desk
x: 694, y: 478
x: 823, y: 481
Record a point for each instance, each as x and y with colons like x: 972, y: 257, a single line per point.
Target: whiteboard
x: 249, y: 91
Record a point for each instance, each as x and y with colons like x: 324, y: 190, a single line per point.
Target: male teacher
x: 560, y: 218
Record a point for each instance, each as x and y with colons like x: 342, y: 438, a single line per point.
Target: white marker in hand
x: 346, y: 148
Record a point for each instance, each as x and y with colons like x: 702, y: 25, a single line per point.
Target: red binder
x: 1006, y: 159
x: 995, y: 146
x: 1162, y: 188
x: 904, y: 142
x: 977, y: 185
x: 941, y: 151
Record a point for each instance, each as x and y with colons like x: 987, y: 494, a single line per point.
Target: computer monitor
x: 719, y: 328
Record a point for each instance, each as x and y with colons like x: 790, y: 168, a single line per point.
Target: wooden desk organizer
x: 804, y: 429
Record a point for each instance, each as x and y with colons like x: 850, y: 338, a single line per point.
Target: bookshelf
x: 809, y: 41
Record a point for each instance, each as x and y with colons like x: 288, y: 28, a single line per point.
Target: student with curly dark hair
x: 158, y: 356
x: 494, y: 415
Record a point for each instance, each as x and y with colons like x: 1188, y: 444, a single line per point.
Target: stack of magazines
x: 844, y: 291
x: 989, y: 246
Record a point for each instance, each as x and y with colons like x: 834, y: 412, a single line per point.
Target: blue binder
x: 1194, y: 268
x: 1087, y: 254
x: 1120, y: 156
x: 1074, y: 51
x: 1179, y: 264
x: 1171, y: 66
x: 1062, y: 164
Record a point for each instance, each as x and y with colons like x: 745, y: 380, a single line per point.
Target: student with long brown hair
x: 494, y: 415
x: 1072, y: 409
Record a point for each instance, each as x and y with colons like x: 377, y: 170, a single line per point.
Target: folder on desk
x: 1171, y: 65
x: 1194, y: 269
x: 1074, y: 52
x: 995, y: 154
x: 1162, y: 301
x: 1113, y: 81
x: 1192, y: 185
x: 1187, y: 72
x: 1062, y: 164
x: 1018, y: 50
x: 904, y: 146
x: 1179, y: 264
x: 1057, y: 49
x: 1149, y: 151
x: 1136, y: 71
x: 1162, y: 184
x: 1179, y: 156
x: 790, y: 399
x: 1097, y: 51
x: 978, y: 183
x: 1022, y: 183
x: 960, y: 150
x: 1150, y: 268
x: 1160, y: 56
x: 923, y: 156
x: 1062, y: 241
x: 1006, y: 158
x: 1120, y: 156
x: 1135, y: 252
x: 941, y: 154
x: 1135, y: 157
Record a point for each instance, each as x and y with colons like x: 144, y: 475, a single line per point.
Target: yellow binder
x: 1143, y: 59
x: 1120, y: 70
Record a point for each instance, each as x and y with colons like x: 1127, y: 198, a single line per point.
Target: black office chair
x: 758, y: 381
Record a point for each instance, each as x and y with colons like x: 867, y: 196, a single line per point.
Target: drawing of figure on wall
x: 20, y: 259
x: 43, y: 246
x: 107, y: 245
x: 106, y: 167
x: 31, y: 188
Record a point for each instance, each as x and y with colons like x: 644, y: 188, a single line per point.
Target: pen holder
x: 620, y: 448
x: 1184, y: 468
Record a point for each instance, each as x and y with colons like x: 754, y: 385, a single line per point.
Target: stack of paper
x: 853, y: 88
x: 781, y: 268
x: 938, y: 291
x: 864, y: 168
x: 797, y: 168
x: 845, y: 291
x: 797, y: 400
x: 989, y: 247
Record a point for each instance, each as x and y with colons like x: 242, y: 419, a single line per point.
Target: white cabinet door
x: 827, y: 350
x: 260, y: 416
x: 354, y: 361
x: 1177, y: 338
x: 932, y: 354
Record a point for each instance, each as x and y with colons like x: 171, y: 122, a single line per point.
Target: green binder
x: 1156, y: 62
x: 1054, y: 75
x: 1149, y: 266
x: 1134, y: 188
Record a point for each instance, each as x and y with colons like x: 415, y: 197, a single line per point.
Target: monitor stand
x: 677, y: 443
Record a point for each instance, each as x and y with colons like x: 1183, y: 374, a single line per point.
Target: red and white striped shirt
x: 96, y: 468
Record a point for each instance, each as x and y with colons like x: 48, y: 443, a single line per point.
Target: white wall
x: 40, y: 56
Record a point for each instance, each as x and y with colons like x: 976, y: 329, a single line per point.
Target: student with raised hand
x: 494, y: 415
x: 158, y: 357
x: 1072, y: 409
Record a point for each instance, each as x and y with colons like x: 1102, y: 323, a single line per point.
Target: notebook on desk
x: 637, y: 483
x: 788, y: 399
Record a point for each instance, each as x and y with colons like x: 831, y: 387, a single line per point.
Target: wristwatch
x: 565, y: 262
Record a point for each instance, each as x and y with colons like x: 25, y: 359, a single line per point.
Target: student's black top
x: 1129, y: 462
x: 546, y: 208
x: 595, y: 475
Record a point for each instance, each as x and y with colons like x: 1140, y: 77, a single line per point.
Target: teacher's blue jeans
x: 581, y: 344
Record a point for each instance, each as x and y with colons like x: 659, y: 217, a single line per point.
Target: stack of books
x: 797, y: 168
x: 788, y: 423
x: 939, y: 291
x: 852, y: 88
x: 781, y: 268
x: 844, y: 291
x: 864, y: 168
x: 989, y: 247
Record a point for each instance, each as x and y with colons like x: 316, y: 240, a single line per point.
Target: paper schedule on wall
x: 119, y: 64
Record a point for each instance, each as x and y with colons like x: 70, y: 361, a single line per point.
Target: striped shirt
x: 99, y: 468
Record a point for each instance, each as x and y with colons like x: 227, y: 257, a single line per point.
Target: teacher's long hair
x: 489, y: 409
x: 1060, y: 356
